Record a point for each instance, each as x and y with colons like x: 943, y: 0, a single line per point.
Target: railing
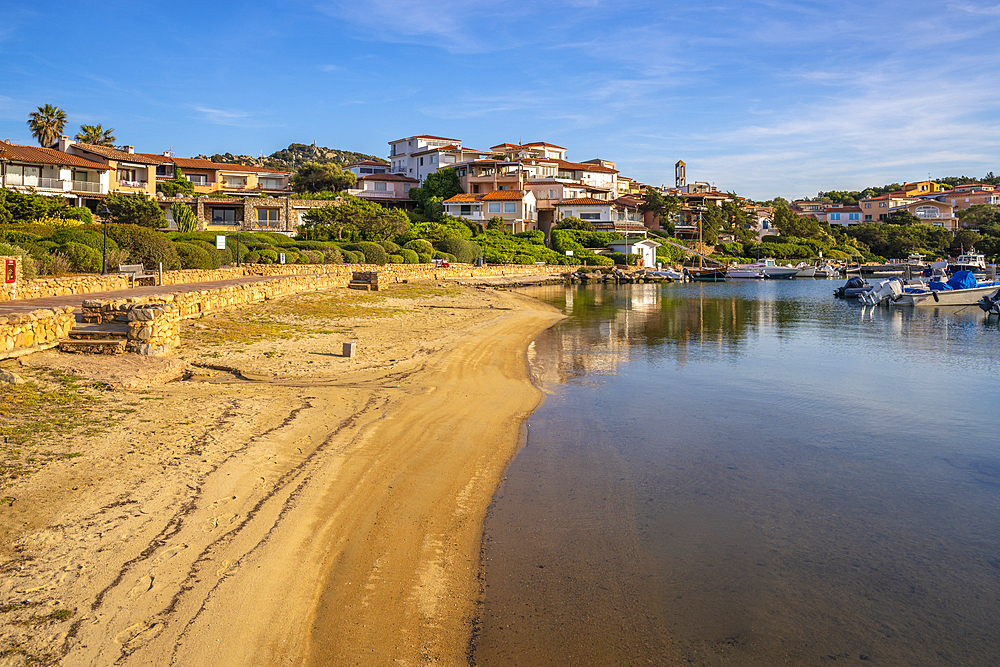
x: 35, y: 182
x: 86, y: 186
x: 132, y: 184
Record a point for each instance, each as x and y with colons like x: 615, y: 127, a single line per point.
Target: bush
x: 29, y: 269
x: 420, y: 246
x: 268, y: 256
x: 313, y: 256
x: 82, y: 258
x: 354, y: 257
x: 622, y: 259
x: 439, y: 255
x: 135, y: 209
x: 395, y: 259
x: 88, y: 237
x: 81, y: 213
x: 144, y: 246
x: 218, y: 257
x: 466, y: 252
x: 17, y: 236
x: 373, y: 253
x: 391, y: 247
x: 194, y: 257
x: 424, y: 257
x: 409, y: 256
x: 252, y: 257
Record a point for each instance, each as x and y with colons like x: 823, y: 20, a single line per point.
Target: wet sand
x: 301, y: 508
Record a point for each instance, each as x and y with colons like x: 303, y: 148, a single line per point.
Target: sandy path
x: 323, y: 518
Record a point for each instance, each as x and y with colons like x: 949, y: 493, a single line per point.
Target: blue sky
x: 761, y: 98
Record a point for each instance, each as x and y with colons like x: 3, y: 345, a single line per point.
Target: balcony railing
x: 86, y: 186
x: 132, y: 184
x: 35, y: 182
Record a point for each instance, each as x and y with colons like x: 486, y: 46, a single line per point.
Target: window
x: 552, y: 194
x: 235, y: 181
x: 868, y: 205
x: 434, y: 159
x: 366, y: 170
x: 448, y: 159
x: 126, y: 175
x: 883, y: 204
x: 267, y: 217
x: 509, y: 207
x: 853, y: 216
x: 868, y: 218
x: 927, y: 212
x: 164, y: 170
x: 590, y: 216
x: 378, y: 185
x: 465, y: 209
x: 197, y: 179
x: 226, y: 216
x: 835, y: 216
x: 270, y: 183
x: 494, y: 207
x: 421, y: 162
x: 567, y: 214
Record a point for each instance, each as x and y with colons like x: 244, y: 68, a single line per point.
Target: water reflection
x: 751, y: 474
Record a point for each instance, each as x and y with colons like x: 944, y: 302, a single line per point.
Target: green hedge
x: 373, y: 253
x: 145, y: 246
x: 409, y: 256
x: 420, y: 246
x: 193, y: 256
x: 83, y: 258
x: 465, y: 252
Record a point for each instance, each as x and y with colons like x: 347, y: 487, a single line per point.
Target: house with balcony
x: 931, y: 212
x: 130, y: 172
x: 231, y: 179
x: 876, y: 209
x: 969, y: 194
x: 622, y: 215
x: 515, y: 207
x: 391, y: 190
x: 49, y: 172
x: 402, y: 152
x: 843, y: 215
x: 431, y: 159
x: 366, y: 167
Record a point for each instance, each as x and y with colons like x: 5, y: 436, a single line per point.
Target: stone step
x: 94, y: 346
x: 98, y: 331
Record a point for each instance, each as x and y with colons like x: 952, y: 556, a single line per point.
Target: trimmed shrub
x: 87, y: 237
x: 332, y: 255
x: 622, y: 259
x: 373, y: 252
x: 194, y: 257
x: 409, y: 256
x: 466, y: 252
x: 451, y: 258
x: 82, y: 258
x: 268, y: 256
x: 420, y: 246
x: 144, y: 246
x: 391, y: 247
x: 395, y: 259
x: 439, y: 255
x: 214, y: 253
x: 313, y: 256
x: 252, y: 257
x: 424, y: 258
x: 17, y: 236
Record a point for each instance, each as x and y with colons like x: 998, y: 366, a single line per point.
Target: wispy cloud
x: 330, y: 68
x: 983, y: 10
x: 234, y: 118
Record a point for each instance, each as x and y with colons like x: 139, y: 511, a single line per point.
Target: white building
x: 402, y: 151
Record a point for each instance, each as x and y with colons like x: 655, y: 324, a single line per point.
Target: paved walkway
x: 21, y: 306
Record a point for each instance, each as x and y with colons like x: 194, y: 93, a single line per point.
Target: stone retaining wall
x: 85, y: 284
x: 35, y: 331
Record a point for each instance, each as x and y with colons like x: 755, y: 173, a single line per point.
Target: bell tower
x: 680, y: 174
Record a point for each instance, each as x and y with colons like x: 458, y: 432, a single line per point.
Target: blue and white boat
x: 962, y: 289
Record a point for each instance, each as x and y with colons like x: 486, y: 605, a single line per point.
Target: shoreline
x: 322, y: 516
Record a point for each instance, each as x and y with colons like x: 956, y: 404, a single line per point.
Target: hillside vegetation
x: 289, y: 159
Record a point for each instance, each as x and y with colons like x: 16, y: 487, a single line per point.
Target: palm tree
x: 95, y: 135
x: 47, y: 124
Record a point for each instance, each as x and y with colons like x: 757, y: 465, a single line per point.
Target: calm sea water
x: 751, y: 473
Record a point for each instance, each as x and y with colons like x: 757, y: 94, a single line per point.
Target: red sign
x: 10, y: 271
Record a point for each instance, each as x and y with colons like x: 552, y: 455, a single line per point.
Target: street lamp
x: 104, y: 213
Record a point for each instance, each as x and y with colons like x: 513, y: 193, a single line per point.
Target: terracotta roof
x: 46, y: 156
x: 504, y: 195
x: 463, y: 198
x: 193, y: 163
x: 119, y: 155
x: 492, y: 148
x: 223, y: 166
x: 542, y: 143
x: 584, y: 201
x: 368, y: 162
x: 584, y: 166
x: 449, y: 147
x: 387, y: 177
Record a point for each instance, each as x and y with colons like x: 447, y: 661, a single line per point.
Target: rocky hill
x: 289, y: 159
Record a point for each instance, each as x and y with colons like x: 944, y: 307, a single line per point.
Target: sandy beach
x: 260, y: 499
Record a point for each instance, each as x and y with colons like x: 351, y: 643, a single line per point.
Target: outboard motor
x: 879, y: 295
x: 855, y: 282
x: 990, y: 304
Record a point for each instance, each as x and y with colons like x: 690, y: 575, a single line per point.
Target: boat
x: 969, y: 262
x: 826, y: 271
x: 772, y: 270
x: 744, y: 273
x: 805, y: 270
x: 961, y: 290
x: 706, y: 274
x: 855, y: 286
x: 990, y: 303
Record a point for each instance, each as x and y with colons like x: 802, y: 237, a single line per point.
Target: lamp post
x: 104, y: 223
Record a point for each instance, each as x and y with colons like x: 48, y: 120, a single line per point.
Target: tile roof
x: 449, y: 147
x: 193, y: 163
x: 584, y: 201
x: 368, y: 162
x: 119, y: 155
x: 388, y: 177
x: 493, y: 148
x: 542, y: 143
x: 504, y: 195
x: 225, y: 166
x: 584, y: 166
x: 463, y: 198
x: 46, y: 156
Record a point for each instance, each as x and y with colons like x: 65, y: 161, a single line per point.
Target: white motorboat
x: 969, y: 262
x: 805, y: 270
x: 745, y: 273
x: 771, y: 270
x: 952, y: 293
x: 826, y: 271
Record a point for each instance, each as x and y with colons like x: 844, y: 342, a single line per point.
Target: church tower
x: 680, y: 173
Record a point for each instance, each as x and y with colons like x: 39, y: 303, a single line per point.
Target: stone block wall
x: 153, y: 328
x: 35, y: 331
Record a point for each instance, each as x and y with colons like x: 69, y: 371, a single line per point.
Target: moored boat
x: 706, y: 274
x: 771, y: 269
x: 744, y: 273
x: 961, y: 290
